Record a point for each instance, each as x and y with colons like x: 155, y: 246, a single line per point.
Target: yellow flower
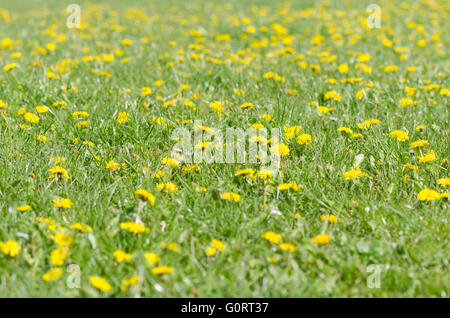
x: 171, y: 246
x: 411, y: 166
x: 428, y: 195
x: 332, y: 95
x: 304, y: 139
x: 3, y: 106
x: 167, y: 187
x: 10, y: 248
x: 202, y: 145
x: 391, y: 68
x: 248, y: 171
x: 404, y: 102
x: 266, y: 117
x: 364, y: 57
x: 50, y: 223
x: 429, y: 157
x: 265, y: 174
x: 354, y: 174
x: 170, y: 162
x: 108, y: 58
x: 41, y: 109
x: 50, y: 46
x: 52, y: 274
x: 184, y: 87
x: 445, y: 182
x: 58, y: 256
x: 144, y: 195
x: 324, y: 109
x: 61, y: 104
x: 62, y: 203
x: 231, y: 196
x: 272, y: 237
x: 321, y: 239
x: 126, y: 283
x: 420, y: 127
x: 80, y: 227
x: 63, y: 240
x: 169, y: 103
x: 288, y: 247
x: 58, y: 173
x: 280, y: 150
x: 121, y: 256
x: 216, y: 105
x: 162, y: 270
x: 9, y: 67
x: 419, y: 144
x: 82, y: 114
x: 30, y: 117
x: 247, y: 105
x: 24, y: 208
x: 122, y: 117
x: 330, y: 217
x: 345, y: 130
x: 126, y: 42
x: 259, y: 139
x: 256, y: 126
x: 287, y: 186
x: 444, y: 91
x: 99, y: 283
x: 134, y: 228
x: 146, y: 91
x: 152, y: 258
x: 217, y: 245
x: 289, y: 132
x: 272, y: 260
x: 112, y: 165
x: 343, y: 68
x: 210, y: 251
x: 400, y: 135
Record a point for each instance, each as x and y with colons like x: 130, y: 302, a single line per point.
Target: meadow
x: 95, y: 202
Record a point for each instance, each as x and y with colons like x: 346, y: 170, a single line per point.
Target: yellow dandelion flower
x: 58, y: 256
x: 321, y: 239
x: 52, y: 274
x: 419, y: 144
x: 291, y: 248
x: 171, y: 246
x: 62, y: 203
x: 152, y: 258
x: 280, y: 150
x: 429, y: 157
x: 162, y: 270
x: 428, y: 195
x: 11, y: 248
x: 134, y: 228
x: 304, y: 139
x: 231, y: 196
x: 121, y: 256
x: 272, y: 237
x: 24, y: 208
x: 144, y: 195
x: 400, y: 135
x: 100, y: 283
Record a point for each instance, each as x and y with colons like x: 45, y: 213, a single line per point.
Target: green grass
x: 381, y: 220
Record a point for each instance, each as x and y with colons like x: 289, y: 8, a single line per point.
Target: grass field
x: 94, y: 202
